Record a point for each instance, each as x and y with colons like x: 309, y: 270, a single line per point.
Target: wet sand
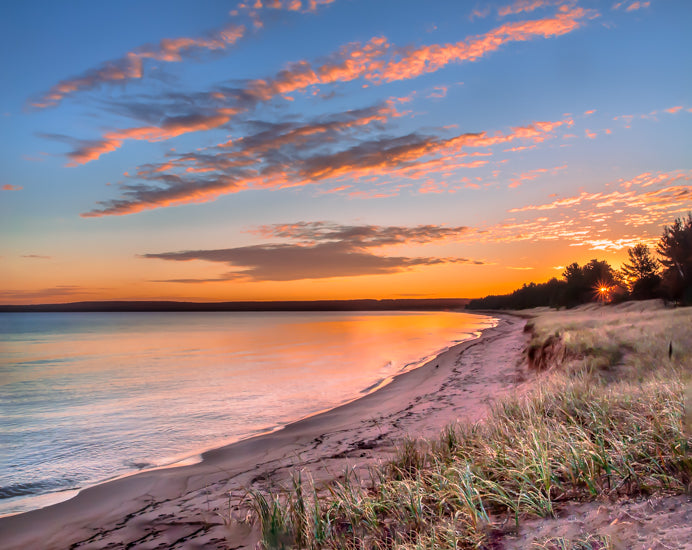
x: 202, y: 505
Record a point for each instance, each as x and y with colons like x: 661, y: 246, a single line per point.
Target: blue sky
x: 286, y: 149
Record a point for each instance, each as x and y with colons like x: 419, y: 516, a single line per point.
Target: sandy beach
x: 199, y: 506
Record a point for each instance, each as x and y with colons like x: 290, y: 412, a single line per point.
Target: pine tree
x: 641, y: 273
x: 675, y: 249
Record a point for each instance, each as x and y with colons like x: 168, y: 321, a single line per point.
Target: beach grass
x: 606, y: 420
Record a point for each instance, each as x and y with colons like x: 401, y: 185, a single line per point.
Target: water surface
x: 85, y: 397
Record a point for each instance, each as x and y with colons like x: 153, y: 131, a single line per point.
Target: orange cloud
x: 170, y: 128
x: 289, y: 155
x: 10, y: 187
x: 130, y: 66
x: 439, y: 93
x: 637, y: 6
x: 426, y: 59
x: 479, y: 13
x: 378, y: 61
x: 350, y: 62
x: 636, y: 206
x: 533, y: 174
x: 520, y: 148
x: 375, y: 60
x: 523, y: 6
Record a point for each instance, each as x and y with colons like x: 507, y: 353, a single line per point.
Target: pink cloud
x: 10, y: 187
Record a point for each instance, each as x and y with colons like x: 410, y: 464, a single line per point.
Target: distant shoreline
x: 286, y: 305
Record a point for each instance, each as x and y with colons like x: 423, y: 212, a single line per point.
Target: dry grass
x: 606, y: 423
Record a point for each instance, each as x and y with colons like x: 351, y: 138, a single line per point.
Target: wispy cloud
x: 36, y: 257
x: 10, y: 187
x: 168, y: 128
x: 533, y: 174
x: 479, y: 13
x: 439, y: 92
x: 283, y: 155
x: 524, y: 6
x: 375, y: 61
x: 637, y: 6
x: 320, y: 250
x: 131, y: 66
x: 414, y: 62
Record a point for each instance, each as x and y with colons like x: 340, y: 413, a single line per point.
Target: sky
x: 334, y: 149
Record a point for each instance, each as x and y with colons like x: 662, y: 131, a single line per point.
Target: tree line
x: 665, y: 273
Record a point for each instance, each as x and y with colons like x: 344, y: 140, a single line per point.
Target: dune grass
x: 606, y: 421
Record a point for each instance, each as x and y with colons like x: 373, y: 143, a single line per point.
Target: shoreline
x: 195, y: 455
x: 190, y: 506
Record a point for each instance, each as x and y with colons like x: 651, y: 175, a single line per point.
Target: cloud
x: 533, y: 174
x: 608, y: 221
x: 376, y: 61
x: 36, y: 257
x: 131, y: 67
x: 674, y: 110
x: 283, y: 155
x: 479, y: 13
x: 627, y: 119
x: 413, y: 62
x: 439, y: 92
x: 10, y: 187
x: 321, y: 250
x: 519, y: 148
x: 305, y: 6
x: 523, y: 6
x: 169, y: 127
x: 665, y: 193
x: 637, y: 6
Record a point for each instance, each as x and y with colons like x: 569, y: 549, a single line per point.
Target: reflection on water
x: 89, y: 396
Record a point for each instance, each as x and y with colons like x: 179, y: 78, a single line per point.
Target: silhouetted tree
x: 675, y: 249
x: 641, y: 273
x: 583, y: 282
x: 597, y: 279
x: 528, y: 296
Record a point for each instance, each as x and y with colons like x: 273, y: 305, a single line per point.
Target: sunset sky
x: 327, y: 149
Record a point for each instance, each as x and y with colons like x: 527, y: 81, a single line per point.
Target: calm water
x: 85, y: 397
